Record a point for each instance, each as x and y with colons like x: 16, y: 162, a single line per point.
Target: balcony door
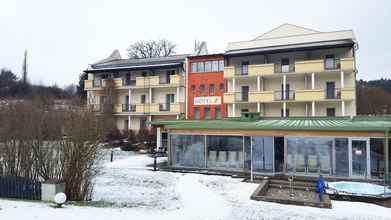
x: 287, y: 88
x: 330, y: 90
x: 245, y: 90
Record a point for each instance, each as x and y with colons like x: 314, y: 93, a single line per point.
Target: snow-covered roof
x: 115, y: 64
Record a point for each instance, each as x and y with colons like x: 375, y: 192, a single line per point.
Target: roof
x: 366, y: 124
x: 285, y: 30
x: 124, y: 64
x: 288, y: 36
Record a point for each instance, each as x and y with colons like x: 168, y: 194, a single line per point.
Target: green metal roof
x: 366, y: 123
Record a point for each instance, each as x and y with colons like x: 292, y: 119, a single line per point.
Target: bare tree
x: 151, y: 48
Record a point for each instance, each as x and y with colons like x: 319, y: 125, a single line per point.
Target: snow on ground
x: 139, y: 193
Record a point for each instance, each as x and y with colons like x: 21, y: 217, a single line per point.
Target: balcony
x: 309, y: 95
x: 177, y: 107
x: 332, y: 94
x: 261, y: 69
x: 229, y: 97
x: 309, y: 66
x: 88, y: 84
x: 142, y: 108
x: 96, y: 107
x: 347, y: 64
x: 348, y: 93
x: 280, y: 95
x: 147, y: 81
x: 164, y: 107
x: 96, y: 83
x: 229, y: 72
x: 128, y: 108
x: 128, y: 82
x: 266, y: 96
x: 173, y: 80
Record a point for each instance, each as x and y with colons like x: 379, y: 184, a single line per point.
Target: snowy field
x: 137, y: 192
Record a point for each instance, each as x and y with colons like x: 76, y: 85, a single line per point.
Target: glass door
x: 262, y: 154
x: 359, y: 157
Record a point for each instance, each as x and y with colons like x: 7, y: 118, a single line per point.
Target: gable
x: 286, y: 30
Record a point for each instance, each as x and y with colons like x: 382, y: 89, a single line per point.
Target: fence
x: 19, y: 188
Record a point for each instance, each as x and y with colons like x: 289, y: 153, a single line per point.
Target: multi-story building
x: 205, y: 87
x: 292, y: 71
x: 139, y: 90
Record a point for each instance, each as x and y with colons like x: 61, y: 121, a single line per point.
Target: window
x: 144, y: 74
x: 197, y: 113
x: 194, y: 67
x: 188, y: 150
x: 225, y: 152
x: 244, y: 110
x: 329, y: 62
x: 245, y: 68
x: 285, y: 65
x: 200, y: 67
x: 215, y: 66
x: 222, y: 87
x: 221, y: 65
x: 208, y: 66
x: 143, y: 98
x: 193, y: 89
x: 218, y: 112
x: 170, y: 98
x: 330, y: 112
x: 202, y: 89
x: 211, y: 89
x: 207, y: 113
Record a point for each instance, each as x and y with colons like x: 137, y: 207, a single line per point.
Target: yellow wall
x: 309, y: 95
x: 347, y: 64
x: 229, y: 71
x: 261, y: 69
x: 309, y: 66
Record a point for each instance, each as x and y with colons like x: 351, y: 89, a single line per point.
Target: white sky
x: 63, y: 37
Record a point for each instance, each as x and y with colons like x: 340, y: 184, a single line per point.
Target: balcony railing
x: 284, y: 95
x: 164, y: 107
x: 333, y: 94
x: 128, y: 108
x: 128, y: 82
x: 96, y: 107
x: 97, y: 83
x: 332, y: 64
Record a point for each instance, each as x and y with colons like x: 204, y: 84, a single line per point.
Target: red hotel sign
x: 208, y: 100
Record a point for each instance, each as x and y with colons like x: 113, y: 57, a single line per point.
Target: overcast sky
x: 63, y: 37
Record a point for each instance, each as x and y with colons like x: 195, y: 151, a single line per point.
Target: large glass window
x: 225, y: 152
x: 208, y: 66
x: 194, y: 67
x: 200, y: 67
x: 218, y: 112
x: 377, y: 157
x: 215, y: 66
x: 207, y: 113
x: 341, y: 157
x: 309, y: 154
x: 221, y: 65
x: 188, y: 150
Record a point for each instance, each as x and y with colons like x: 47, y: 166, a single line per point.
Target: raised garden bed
x: 280, y: 192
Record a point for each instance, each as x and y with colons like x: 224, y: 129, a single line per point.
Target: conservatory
x: 336, y: 147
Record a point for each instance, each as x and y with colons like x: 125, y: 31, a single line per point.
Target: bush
x: 44, y: 145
